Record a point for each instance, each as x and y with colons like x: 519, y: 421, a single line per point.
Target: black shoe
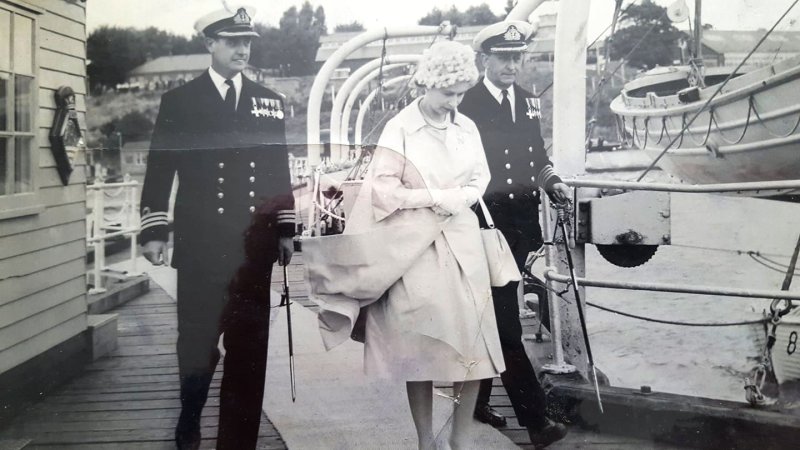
x: 487, y: 414
x: 546, y: 435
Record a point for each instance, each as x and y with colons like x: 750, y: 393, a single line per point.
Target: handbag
x: 502, y: 266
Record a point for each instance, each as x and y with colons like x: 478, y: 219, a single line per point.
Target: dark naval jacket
x: 234, y: 198
x: 517, y: 159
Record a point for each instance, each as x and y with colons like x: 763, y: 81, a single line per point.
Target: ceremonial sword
x: 561, y: 212
x: 285, y: 302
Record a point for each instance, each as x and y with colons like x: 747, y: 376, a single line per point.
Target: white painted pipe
x: 524, y: 9
x: 351, y: 100
x: 324, y: 75
x: 350, y: 83
x: 344, y: 116
x: 362, y: 112
x: 569, y: 88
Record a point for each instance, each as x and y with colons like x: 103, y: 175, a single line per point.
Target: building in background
x: 166, y: 72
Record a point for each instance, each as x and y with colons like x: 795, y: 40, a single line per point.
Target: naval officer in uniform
x: 224, y: 136
x: 507, y: 117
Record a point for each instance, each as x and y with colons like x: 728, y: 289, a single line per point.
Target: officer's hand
x: 560, y: 194
x: 285, y: 250
x: 156, y: 252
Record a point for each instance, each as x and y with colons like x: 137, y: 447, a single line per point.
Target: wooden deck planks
x: 130, y: 399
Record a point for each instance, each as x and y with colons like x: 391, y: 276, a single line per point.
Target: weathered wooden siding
x: 42, y: 256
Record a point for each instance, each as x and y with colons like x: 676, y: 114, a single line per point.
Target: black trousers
x: 526, y: 394
x: 209, y: 305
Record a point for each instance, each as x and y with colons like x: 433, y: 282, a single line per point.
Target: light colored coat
x: 431, y: 315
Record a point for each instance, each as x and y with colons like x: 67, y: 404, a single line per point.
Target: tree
x: 346, y: 27
x: 114, y: 51
x: 474, y: 15
x: 658, y: 47
x: 480, y: 15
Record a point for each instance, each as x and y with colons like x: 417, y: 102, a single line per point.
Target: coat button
x: 509, y: 181
x: 252, y: 165
x: 221, y: 210
x: 221, y: 165
x: 252, y: 209
x: 506, y: 152
x: 508, y: 166
x: 511, y: 196
x: 530, y: 149
x: 252, y: 179
x: 220, y: 195
x: 220, y: 180
x: 531, y: 163
x: 252, y: 194
x: 533, y: 178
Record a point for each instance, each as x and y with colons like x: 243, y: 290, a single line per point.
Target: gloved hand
x: 451, y: 201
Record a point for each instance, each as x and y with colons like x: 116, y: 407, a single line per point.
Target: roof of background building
x: 177, y: 63
x: 729, y: 41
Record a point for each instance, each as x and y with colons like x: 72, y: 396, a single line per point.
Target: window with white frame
x: 17, y: 102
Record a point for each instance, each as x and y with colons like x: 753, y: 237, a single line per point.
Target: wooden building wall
x: 43, y: 252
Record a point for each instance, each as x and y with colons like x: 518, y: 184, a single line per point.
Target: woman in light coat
x: 412, y: 251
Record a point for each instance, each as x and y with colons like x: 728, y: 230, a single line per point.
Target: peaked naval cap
x: 504, y: 37
x: 235, y: 22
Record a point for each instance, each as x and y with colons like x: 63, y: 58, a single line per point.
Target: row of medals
x: 267, y: 107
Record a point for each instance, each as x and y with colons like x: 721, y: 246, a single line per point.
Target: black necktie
x: 230, y: 97
x: 505, y: 109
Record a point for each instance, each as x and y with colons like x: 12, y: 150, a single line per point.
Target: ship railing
x: 102, y: 227
x: 552, y: 275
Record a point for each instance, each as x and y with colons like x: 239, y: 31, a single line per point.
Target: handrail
x: 101, y: 230
x: 688, y: 188
x: 551, y: 274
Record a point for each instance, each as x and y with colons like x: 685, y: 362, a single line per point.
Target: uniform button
x: 252, y: 209
x: 220, y: 195
x: 506, y: 152
x: 252, y: 164
x: 511, y: 196
x: 508, y: 166
x: 531, y: 163
x: 220, y: 180
x: 530, y: 149
x: 252, y: 179
x: 221, y: 210
x: 221, y: 165
x: 252, y: 194
x: 509, y: 181
x: 533, y: 178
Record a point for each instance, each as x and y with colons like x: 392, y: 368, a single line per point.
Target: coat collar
x: 412, y: 117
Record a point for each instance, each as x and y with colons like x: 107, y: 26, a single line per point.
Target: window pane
x: 5, y: 40
x: 22, y: 103
x: 23, y: 45
x: 3, y: 166
x: 3, y: 102
x: 22, y: 165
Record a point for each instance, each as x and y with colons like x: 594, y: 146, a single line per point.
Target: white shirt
x: 497, y: 93
x: 219, y: 82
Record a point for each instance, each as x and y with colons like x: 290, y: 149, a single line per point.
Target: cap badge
x: 241, y: 17
x: 512, y: 34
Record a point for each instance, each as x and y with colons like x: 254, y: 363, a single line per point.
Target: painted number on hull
x: 792, y: 343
